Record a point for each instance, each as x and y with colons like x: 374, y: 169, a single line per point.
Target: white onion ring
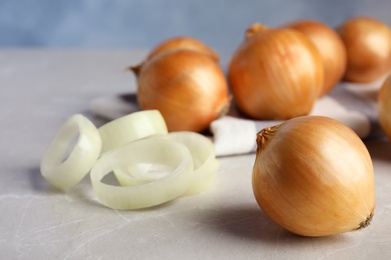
x: 130, y: 128
x: 157, y: 191
x: 66, y: 173
x: 203, y: 156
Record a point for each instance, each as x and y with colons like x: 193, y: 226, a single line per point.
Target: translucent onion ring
x: 145, y: 151
x: 130, y: 128
x: 66, y: 173
x: 203, y: 156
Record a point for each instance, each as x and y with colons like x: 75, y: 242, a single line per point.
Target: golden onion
x: 330, y: 47
x: 275, y: 73
x: 314, y: 177
x: 368, y: 46
x: 188, y: 88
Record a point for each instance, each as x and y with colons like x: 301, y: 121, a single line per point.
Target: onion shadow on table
x: 38, y: 182
x: 84, y: 193
x: 379, y: 149
x: 97, y: 120
x: 250, y: 223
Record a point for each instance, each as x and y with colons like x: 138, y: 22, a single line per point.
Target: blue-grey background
x: 142, y: 24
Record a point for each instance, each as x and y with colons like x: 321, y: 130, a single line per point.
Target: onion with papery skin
x: 275, y: 73
x: 188, y: 88
x: 314, y: 177
x: 368, y: 46
x: 330, y: 47
x: 384, y: 106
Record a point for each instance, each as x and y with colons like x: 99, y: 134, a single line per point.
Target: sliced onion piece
x: 66, y: 173
x: 203, y: 177
x: 130, y: 128
x: 141, y: 173
x: 203, y: 156
x: 204, y: 159
x: 135, y: 155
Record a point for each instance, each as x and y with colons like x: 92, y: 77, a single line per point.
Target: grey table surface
x: 40, y: 89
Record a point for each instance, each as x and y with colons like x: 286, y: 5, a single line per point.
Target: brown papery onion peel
x: 330, y: 47
x: 275, y: 73
x: 175, y: 43
x: 184, y: 42
x: 384, y: 106
x: 368, y: 46
x: 314, y: 177
x: 188, y: 88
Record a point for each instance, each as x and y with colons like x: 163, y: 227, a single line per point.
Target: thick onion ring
x: 204, y: 161
x: 130, y: 128
x: 145, y: 151
x: 66, y: 173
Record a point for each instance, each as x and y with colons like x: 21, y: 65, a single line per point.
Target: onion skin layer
x: 368, y: 45
x: 314, y: 177
x: 188, y: 88
x: 184, y: 42
x: 177, y: 43
x: 276, y: 74
x: 330, y: 47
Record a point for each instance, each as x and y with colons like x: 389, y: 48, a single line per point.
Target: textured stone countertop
x: 40, y: 89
